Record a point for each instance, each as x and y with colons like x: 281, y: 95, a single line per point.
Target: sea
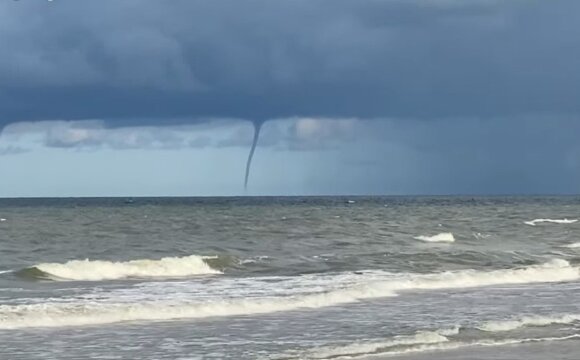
x: 290, y: 278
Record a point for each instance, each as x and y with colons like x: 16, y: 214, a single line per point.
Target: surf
x: 529, y: 320
x: 439, y: 340
x: 329, y: 291
x: 98, y: 270
x: 420, y: 343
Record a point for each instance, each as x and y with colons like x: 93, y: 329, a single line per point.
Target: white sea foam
x: 437, y: 340
x: 458, y: 345
x: 90, y: 313
x: 366, y: 348
x: 94, y: 270
x: 253, y: 260
x: 553, y: 221
x: 572, y: 246
x: 480, y: 236
x: 442, y: 237
x: 422, y: 342
x: 555, y: 270
x: 532, y: 320
x: 2, y: 219
x: 373, y: 285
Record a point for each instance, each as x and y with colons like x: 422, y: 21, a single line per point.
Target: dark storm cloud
x: 139, y: 62
x: 531, y: 154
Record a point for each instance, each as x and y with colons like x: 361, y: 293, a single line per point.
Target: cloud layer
x: 409, y: 95
x: 165, y: 63
x: 293, y: 134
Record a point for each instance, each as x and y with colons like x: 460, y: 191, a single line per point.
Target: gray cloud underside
x: 296, y: 134
x: 140, y: 62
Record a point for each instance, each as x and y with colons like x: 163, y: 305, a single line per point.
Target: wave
x: 442, y: 339
x: 96, y: 270
x: 86, y: 313
x: 414, y: 345
x: 532, y: 320
x: 555, y: 270
x: 375, y: 348
x: 79, y: 312
x: 554, y: 221
x: 254, y: 260
x: 442, y: 237
x: 572, y: 246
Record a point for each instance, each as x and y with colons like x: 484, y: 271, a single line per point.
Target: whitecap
x: 253, y: 260
x: 95, y: 270
x: 442, y: 237
x: 480, y: 236
x: 572, y: 246
x: 553, y: 221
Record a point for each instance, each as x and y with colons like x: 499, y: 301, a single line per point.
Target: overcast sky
x: 145, y: 97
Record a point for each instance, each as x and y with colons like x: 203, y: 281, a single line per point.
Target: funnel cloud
x: 257, y: 127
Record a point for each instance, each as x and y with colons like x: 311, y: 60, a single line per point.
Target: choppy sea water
x: 290, y: 278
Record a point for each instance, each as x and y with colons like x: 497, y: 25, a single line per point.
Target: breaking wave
x: 79, y: 312
x: 572, y: 246
x: 416, y: 344
x: 531, y: 320
x: 442, y: 339
x: 443, y: 237
x: 553, y: 221
x: 96, y: 270
x: 375, y: 348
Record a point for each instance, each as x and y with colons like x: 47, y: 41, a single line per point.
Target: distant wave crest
x: 553, y: 221
x: 442, y: 237
x: 572, y: 246
x: 95, y: 270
